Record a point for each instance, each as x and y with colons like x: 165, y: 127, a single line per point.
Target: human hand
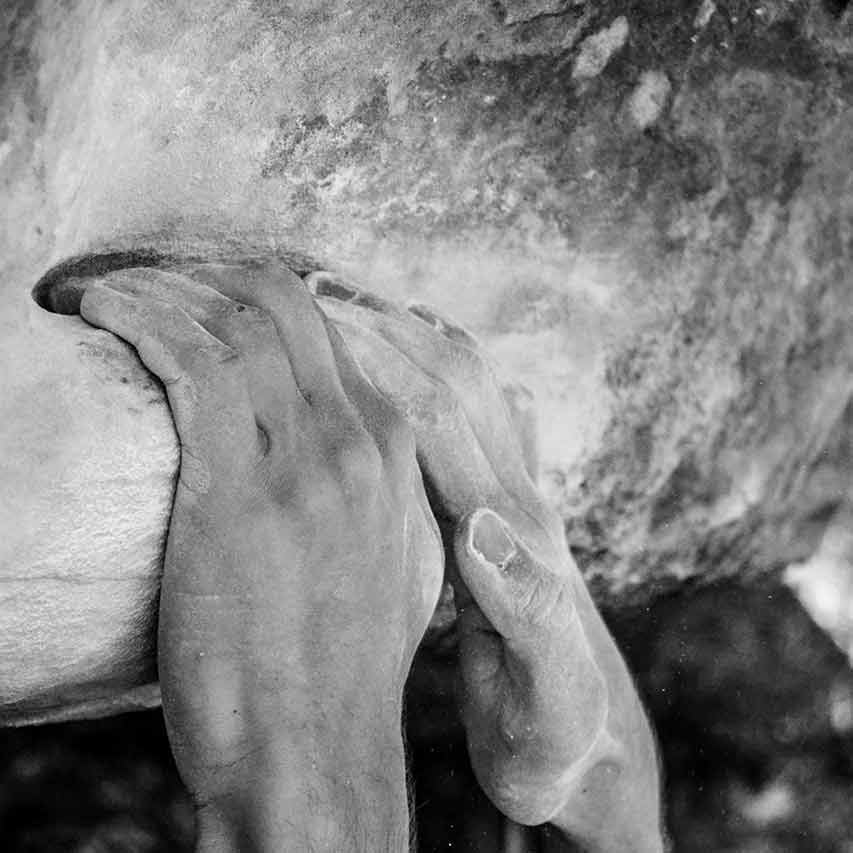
x: 554, y: 725
x: 302, y: 563
x: 535, y: 700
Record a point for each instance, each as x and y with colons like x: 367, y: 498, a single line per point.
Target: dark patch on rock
x: 836, y: 8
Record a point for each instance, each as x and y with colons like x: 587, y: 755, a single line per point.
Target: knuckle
x: 314, y: 496
x: 469, y: 371
x: 256, y: 321
x: 539, y: 601
x: 150, y: 347
x: 358, y: 459
x: 216, y: 365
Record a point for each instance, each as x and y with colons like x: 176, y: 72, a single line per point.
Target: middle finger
x: 277, y: 290
x: 272, y: 386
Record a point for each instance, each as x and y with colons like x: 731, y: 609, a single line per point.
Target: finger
x: 521, y: 597
x: 205, y: 303
x: 425, y: 557
x: 203, y: 378
x: 279, y: 291
x: 332, y: 286
x: 461, y: 368
x: 519, y: 401
x: 522, y: 408
x: 481, y: 661
x: 325, y: 283
x: 247, y: 330
x: 389, y: 428
x: 481, y: 647
x: 546, y: 654
x: 460, y: 475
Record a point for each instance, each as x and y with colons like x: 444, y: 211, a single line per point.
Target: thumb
x: 515, y: 591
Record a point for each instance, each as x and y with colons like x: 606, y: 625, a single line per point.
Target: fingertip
x: 480, y: 583
x: 365, y: 299
x: 328, y: 284
x: 422, y: 312
x: 96, y: 301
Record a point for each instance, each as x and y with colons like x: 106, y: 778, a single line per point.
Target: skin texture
x: 555, y: 730
x: 302, y: 563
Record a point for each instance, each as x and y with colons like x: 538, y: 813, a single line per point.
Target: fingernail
x: 374, y: 303
x: 490, y: 539
x: 423, y: 313
x: 326, y: 284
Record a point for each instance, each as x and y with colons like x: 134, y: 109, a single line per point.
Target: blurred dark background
x: 752, y: 703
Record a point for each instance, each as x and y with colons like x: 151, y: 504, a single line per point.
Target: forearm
x: 615, y: 804
x: 345, y: 793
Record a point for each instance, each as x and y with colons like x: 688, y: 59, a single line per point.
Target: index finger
x: 203, y: 378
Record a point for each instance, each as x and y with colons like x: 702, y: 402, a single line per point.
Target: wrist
x: 614, y: 805
x: 314, y: 787
x: 614, y: 802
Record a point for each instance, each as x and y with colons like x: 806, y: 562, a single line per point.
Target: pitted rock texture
x: 644, y: 210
